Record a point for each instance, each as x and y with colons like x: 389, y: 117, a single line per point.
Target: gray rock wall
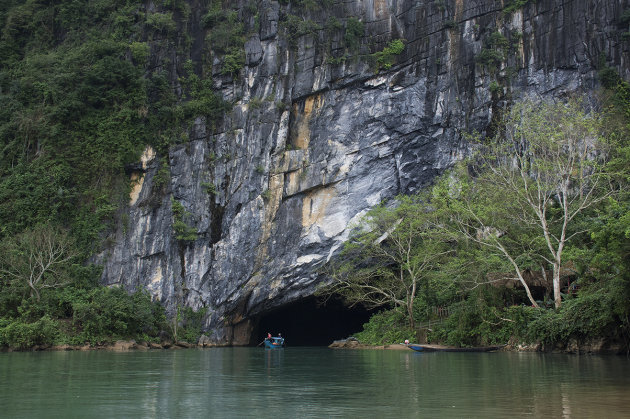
x: 313, y: 140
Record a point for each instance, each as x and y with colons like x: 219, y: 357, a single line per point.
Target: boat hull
x: 274, y: 343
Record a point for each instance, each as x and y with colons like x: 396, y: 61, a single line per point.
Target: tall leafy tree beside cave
x: 530, y: 187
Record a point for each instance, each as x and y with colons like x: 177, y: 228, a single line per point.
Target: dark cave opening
x: 309, y: 322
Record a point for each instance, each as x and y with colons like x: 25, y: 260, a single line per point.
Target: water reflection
x: 311, y: 382
x: 273, y: 359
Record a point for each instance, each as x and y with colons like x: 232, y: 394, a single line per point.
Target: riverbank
x: 120, y: 345
x: 351, y: 343
x: 572, y: 347
x: 131, y: 345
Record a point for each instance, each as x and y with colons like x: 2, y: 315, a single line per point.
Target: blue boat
x: 274, y: 342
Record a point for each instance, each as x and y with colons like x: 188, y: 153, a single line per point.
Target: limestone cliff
x: 321, y: 131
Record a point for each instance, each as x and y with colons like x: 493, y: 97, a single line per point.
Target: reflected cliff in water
x: 311, y: 382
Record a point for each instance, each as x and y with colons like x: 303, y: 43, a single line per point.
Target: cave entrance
x: 308, y: 322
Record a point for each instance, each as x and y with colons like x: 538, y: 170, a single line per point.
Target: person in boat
x: 268, y: 336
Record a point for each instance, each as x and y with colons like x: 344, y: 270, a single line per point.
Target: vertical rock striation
x: 319, y: 133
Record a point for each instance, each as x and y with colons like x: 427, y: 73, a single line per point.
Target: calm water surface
x: 311, y: 382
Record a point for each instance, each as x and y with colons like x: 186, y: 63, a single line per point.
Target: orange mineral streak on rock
x: 314, y: 206
x: 292, y: 183
x: 459, y: 8
x: 303, y: 120
x: 137, y: 179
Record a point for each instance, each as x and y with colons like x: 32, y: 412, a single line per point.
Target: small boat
x: 441, y: 348
x: 274, y: 342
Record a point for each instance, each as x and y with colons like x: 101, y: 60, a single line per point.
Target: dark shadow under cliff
x: 307, y: 323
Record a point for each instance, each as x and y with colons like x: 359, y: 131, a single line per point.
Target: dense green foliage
x: 392, y: 260
x: 47, y: 298
x: 24, y: 335
x: 386, y: 58
x: 514, y: 5
x: 297, y: 26
x: 385, y: 327
x: 78, y: 315
x: 577, y: 237
x: 308, y: 4
x: 226, y: 36
x: 81, y: 100
x: 78, y: 106
x: 495, y: 51
x: 353, y: 34
x: 182, y: 230
x: 187, y: 325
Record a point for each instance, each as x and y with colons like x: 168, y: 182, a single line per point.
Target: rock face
x: 321, y: 131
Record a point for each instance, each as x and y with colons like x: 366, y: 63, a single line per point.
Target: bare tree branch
x: 38, y: 258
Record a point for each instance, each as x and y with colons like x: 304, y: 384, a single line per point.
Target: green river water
x: 310, y: 382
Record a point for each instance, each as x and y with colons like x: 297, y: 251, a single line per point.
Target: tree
x: 38, y: 259
x: 482, y: 214
x: 388, y: 259
x: 542, y: 171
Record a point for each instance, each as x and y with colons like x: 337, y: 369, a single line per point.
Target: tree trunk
x: 557, y: 297
x: 412, y: 322
x: 34, y: 290
x: 519, y: 275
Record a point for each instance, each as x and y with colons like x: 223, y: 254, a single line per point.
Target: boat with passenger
x: 274, y: 342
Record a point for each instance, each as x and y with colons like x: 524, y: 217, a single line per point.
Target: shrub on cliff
x: 77, y: 314
x: 386, y: 327
x: 386, y: 58
x: 20, y: 334
x: 107, y: 314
